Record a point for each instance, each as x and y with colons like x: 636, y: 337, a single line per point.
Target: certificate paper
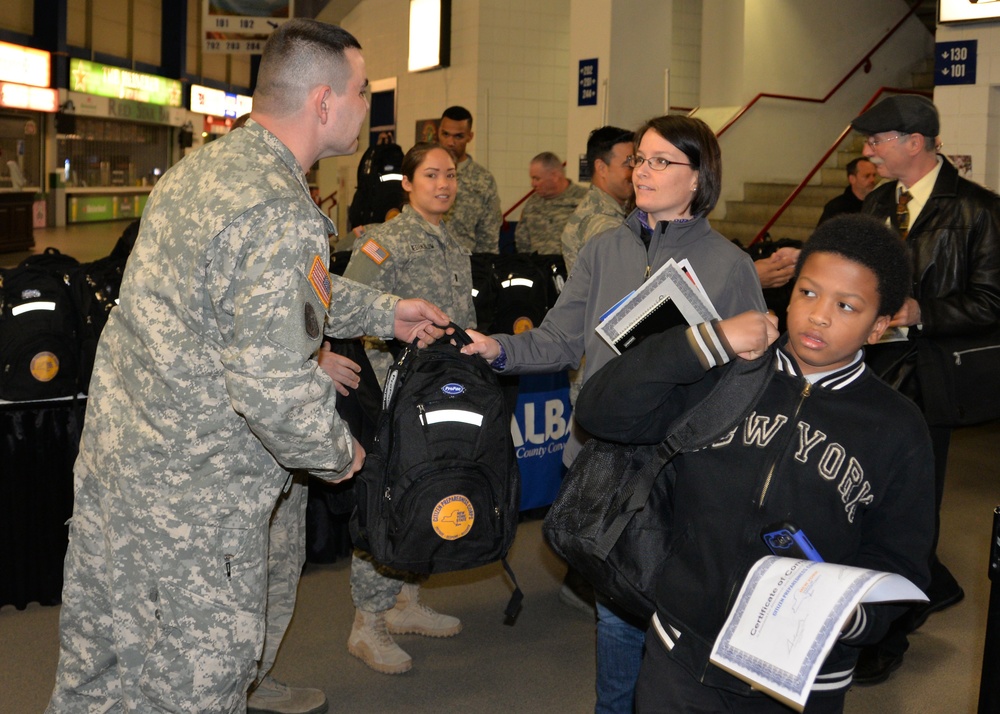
x: 789, y: 615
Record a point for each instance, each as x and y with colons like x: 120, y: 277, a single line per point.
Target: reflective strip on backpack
x: 29, y: 306
x: 390, y: 177
x: 518, y: 283
x: 447, y: 415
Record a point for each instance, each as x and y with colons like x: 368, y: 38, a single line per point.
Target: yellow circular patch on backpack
x: 453, y: 517
x: 44, y: 366
x: 522, y: 324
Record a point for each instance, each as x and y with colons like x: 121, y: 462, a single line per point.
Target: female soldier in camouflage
x: 411, y: 255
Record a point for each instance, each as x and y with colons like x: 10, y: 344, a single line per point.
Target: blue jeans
x: 619, y: 654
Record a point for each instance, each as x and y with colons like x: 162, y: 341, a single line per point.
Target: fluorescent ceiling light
x: 430, y: 35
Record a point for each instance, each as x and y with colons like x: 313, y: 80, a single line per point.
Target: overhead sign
x: 215, y: 102
x: 242, y: 27
x: 955, y: 62
x: 95, y: 106
x: 106, y: 81
x: 24, y: 65
x: 587, y: 83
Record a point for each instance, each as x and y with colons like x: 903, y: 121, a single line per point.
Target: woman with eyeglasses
x: 677, y: 176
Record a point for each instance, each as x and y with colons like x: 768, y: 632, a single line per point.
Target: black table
x: 38, y: 445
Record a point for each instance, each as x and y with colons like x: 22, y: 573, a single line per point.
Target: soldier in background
x: 474, y: 220
x: 545, y: 214
x: 605, y: 204
x: 206, y: 394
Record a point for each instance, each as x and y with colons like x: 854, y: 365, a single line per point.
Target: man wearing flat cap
x: 952, y: 228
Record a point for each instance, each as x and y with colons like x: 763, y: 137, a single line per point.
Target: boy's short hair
x: 867, y: 241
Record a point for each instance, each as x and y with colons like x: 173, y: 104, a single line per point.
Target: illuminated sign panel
x: 215, y: 102
x: 24, y: 65
x: 20, y: 96
x: 105, y: 81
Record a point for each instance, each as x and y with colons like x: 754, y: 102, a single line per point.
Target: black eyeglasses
x: 655, y: 163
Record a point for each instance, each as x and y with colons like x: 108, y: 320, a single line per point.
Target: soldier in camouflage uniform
x: 545, y: 214
x: 604, y: 206
x: 205, y: 394
x: 413, y: 255
x: 475, y: 218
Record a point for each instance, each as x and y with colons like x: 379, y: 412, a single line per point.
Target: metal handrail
x: 847, y: 130
x: 865, y: 63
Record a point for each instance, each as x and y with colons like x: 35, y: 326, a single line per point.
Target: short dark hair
x: 298, y: 56
x: 415, y: 156
x: 698, y: 143
x: 867, y: 241
x: 603, y: 141
x: 457, y: 113
x: 852, y: 165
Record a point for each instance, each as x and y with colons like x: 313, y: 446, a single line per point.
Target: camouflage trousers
x: 374, y: 587
x: 286, y: 554
x: 158, y: 615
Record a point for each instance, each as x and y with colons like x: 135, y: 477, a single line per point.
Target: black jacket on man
x: 955, y: 243
x: 846, y: 202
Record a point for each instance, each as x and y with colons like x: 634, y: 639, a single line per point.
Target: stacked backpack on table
x: 52, y: 311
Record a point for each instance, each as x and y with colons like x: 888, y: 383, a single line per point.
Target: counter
x: 105, y: 203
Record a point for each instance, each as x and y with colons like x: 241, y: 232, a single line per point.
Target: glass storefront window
x: 105, y: 152
x: 21, y: 142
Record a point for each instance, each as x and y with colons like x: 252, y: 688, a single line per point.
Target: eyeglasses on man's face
x: 873, y: 142
x: 655, y: 163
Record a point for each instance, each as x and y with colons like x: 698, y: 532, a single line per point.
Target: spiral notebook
x: 671, y: 296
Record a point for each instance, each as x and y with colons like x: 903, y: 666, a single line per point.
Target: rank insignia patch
x: 374, y: 251
x: 320, y: 279
x: 312, y: 324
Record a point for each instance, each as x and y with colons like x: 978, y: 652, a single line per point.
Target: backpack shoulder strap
x: 729, y: 402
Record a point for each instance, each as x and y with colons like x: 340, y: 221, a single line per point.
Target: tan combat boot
x: 412, y: 617
x: 274, y: 697
x: 370, y: 642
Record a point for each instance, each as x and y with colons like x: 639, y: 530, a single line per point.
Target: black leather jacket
x: 955, y: 242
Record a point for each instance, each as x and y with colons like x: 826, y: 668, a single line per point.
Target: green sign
x: 83, y: 209
x: 107, y: 81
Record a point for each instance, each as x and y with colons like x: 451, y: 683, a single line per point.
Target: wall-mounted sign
x: 215, y: 102
x: 94, y: 106
x: 24, y: 65
x: 955, y: 62
x: 242, y: 27
x: 20, y: 96
x: 587, y: 83
x: 107, y: 81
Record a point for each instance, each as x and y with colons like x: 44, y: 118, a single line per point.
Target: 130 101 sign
x: 955, y: 62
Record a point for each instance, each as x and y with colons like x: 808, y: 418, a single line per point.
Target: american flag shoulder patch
x: 320, y: 279
x: 374, y: 251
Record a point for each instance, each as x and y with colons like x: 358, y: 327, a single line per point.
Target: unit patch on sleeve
x: 320, y: 279
x: 374, y: 251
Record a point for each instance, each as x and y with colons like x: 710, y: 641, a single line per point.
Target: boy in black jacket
x: 829, y: 447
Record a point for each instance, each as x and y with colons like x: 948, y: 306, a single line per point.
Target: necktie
x: 903, y: 214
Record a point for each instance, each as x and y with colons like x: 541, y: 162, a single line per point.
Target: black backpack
x: 380, y: 185
x: 440, y: 489
x: 524, y: 293
x: 39, y: 341
x: 95, y: 287
x: 612, y: 520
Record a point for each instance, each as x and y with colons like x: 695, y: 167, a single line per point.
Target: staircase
x: 761, y: 201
